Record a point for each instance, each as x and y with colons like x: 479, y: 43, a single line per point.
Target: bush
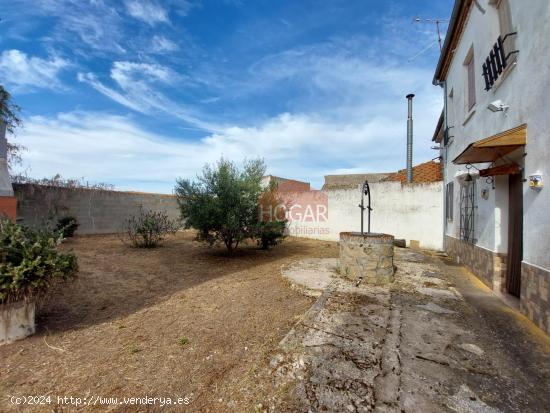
x: 271, y: 226
x: 67, y: 226
x: 148, y: 228
x: 270, y: 233
x: 223, y: 203
x: 30, y: 262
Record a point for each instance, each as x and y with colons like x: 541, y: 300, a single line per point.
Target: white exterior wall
x: 525, y: 88
x: 5, y: 183
x: 412, y: 212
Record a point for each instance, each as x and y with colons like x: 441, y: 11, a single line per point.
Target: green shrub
x: 270, y: 229
x: 30, y: 262
x: 148, y: 228
x: 67, y: 225
x: 270, y: 233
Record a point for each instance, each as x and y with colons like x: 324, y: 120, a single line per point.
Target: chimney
x: 5, y: 184
x: 410, y: 139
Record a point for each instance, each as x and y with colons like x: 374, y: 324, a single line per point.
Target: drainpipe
x: 444, y: 154
x: 410, y: 140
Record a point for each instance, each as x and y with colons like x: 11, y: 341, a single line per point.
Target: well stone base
x: 16, y: 321
x: 367, y: 257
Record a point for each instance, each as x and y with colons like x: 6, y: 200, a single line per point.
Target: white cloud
x: 126, y: 73
x: 160, y: 44
x: 113, y: 94
x: 24, y: 72
x: 97, y: 25
x: 147, y: 11
x: 139, y: 85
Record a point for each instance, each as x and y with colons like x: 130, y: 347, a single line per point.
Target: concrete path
x: 436, y: 340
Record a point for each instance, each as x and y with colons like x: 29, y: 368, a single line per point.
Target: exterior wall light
x: 497, y: 106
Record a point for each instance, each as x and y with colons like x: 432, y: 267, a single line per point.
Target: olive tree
x: 222, y: 203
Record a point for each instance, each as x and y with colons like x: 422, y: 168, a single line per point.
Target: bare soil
x: 182, y: 320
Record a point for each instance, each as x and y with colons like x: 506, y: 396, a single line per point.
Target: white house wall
x: 526, y: 90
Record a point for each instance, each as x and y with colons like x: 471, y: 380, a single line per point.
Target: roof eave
x: 446, y: 50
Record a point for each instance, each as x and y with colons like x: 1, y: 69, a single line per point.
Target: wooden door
x: 515, y: 234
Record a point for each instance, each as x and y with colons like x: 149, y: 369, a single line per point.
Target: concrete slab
x: 409, y: 347
x: 434, y: 308
x: 311, y: 276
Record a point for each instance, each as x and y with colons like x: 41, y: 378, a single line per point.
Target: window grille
x: 467, y: 212
x: 496, y: 62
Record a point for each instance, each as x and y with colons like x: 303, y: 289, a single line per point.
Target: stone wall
x: 488, y: 266
x: 97, y: 211
x: 535, y: 295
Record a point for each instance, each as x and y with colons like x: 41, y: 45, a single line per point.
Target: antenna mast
x: 437, y: 22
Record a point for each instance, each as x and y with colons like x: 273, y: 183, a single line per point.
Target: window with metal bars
x: 467, y: 212
x: 496, y: 62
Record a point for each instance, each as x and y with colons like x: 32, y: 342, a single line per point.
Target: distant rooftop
x: 426, y: 172
x: 423, y: 173
x: 284, y: 184
x: 352, y: 180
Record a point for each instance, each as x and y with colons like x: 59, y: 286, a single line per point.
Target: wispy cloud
x: 139, y: 85
x: 160, y: 44
x: 147, y: 11
x: 97, y: 25
x: 26, y: 73
x: 110, y: 93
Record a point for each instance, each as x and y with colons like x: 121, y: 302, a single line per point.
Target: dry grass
x: 180, y: 320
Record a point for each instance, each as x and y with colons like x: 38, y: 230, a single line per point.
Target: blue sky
x: 139, y: 92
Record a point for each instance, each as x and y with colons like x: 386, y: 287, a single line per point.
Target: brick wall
x: 8, y: 205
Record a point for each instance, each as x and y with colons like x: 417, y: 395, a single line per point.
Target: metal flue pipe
x: 410, y: 139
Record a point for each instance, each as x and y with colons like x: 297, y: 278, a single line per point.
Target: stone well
x: 366, y: 257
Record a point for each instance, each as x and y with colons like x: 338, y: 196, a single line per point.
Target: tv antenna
x: 437, y: 22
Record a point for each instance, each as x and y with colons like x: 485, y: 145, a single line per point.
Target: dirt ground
x: 234, y: 335
x: 183, y: 320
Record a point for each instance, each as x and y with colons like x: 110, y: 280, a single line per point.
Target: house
x: 284, y: 184
x: 426, y: 172
x: 494, y: 137
x: 348, y: 181
x: 7, y: 200
x: 408, y: 211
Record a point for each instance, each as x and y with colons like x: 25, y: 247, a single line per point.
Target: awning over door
x: 494, y: 147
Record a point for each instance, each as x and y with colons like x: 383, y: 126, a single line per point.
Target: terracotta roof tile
x: 423, y: 173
